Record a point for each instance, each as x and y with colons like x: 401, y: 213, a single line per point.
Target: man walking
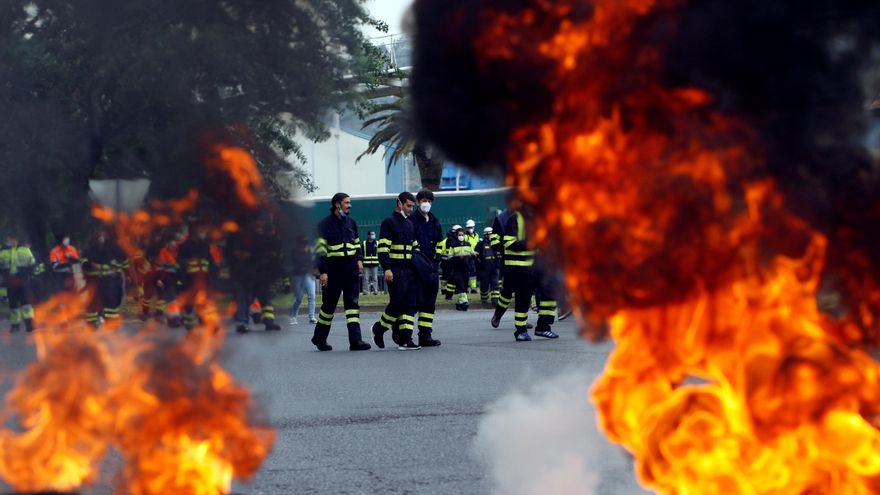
x: 429, y: 235
x: 519, y: 260
x: 339, y: 260
x: 397, y: 242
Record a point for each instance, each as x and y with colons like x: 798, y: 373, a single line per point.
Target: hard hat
x: 487, y: 230
x: 456, y: 227
x: 470, y: 223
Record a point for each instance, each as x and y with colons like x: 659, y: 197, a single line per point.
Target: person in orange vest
x: 64, y: 258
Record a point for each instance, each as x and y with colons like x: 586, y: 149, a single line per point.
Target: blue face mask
x: 372, y: 237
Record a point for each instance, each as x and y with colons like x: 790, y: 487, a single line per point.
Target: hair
x: 425, y: 194
x: 336, y: 199
x: 406, y: 196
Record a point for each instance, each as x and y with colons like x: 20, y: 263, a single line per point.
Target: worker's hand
x: 389, y: 276
x: 323, y: 280
x: 360, y: 266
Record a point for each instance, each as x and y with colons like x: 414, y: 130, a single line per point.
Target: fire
x: 726, y: 376
x: 181, y: 423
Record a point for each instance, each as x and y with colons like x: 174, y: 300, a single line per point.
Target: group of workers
x: 170, y: 273
x: 413, y: 251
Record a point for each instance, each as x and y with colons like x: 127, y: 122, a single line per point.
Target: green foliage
x: 110, y: 88
x: 396, y: 132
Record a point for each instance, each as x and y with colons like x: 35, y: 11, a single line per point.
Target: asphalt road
x: 388, y: 421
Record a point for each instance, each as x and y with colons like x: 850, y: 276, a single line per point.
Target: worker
x: 487, y: 269
x: 472, y: 238
x: 17, y: 263
x: 339, y: 261
x: 445, y: 262
x: 461, y: 257
x: 429, y: 235
x: 519, y: 259
x: 104, y: 263
x: 197, y: 263
x: 63, y: 258
x: 371, y: 264
x: 397, y: 241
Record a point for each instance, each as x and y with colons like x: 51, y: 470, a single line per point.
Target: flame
x: 726, y: 377
x: 181, y: 423
x: 240, y: 167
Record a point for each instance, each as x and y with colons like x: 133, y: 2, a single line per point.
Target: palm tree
x: 397, y: 133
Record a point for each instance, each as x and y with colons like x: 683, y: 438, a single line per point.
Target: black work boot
x: 29, y: 324
x: 425, y: 340
x: 320, y: 339
x: 379, y: 335
x: 355, y: 342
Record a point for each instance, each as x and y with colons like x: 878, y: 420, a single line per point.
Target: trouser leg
x: 298, y: 289
x: 242, y: 302
x: 330, y: 295
x: 494, y: 291
x: 523, y: 289
x: 111, y: 297
x: 402, y: 306
x: 426, y: 307
x: 350, y: 301
x: 264, y: 296
x: 309, y: 285
x: 93, y: 308
x: 13, y: 294
x: 504, y: 298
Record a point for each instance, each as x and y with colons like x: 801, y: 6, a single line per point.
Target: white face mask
x: 461, y: 238
x: 65, y: 241
x: 425, y: 207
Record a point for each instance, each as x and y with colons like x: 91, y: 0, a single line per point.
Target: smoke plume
x: 543, y: 439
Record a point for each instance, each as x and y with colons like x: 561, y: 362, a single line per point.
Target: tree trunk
x: 429, y: 168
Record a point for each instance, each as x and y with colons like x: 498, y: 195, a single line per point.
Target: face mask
x: 425, y: 207
x: 461, y: 238
x: 470, y: 230
x: 372, y: 237
x: 65, y: 241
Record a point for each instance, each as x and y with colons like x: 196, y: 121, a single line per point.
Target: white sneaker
x: 293, y: 321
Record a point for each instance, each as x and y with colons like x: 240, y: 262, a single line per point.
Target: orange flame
x: 181, y: 423
x: 726, y: 377
x: 239, y: 165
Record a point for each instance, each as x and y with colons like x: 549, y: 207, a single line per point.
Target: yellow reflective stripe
x: 397, y: 256
x: 384, y: 241
x: 519, y: 263
x: 352, y: 311
x: 402, y: 247
x: 547, y: 312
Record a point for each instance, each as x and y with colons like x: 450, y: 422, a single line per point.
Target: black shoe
x: 395, y: 336
x: 271, y: 326
x: 428, y: 342
x: 522, y: 336
x: 465, y: 306
x: 496, y: 320
x: 547, y: 334
x: 322, y: 346
x: 408, y: 346
x: 360, y: 345
x: 240, y: 328
x: 379, y: 335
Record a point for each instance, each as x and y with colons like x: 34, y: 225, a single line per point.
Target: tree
x: 108, y: 89
x: 396, y: 131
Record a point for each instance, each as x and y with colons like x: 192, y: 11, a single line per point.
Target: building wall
x: 362, y: 178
